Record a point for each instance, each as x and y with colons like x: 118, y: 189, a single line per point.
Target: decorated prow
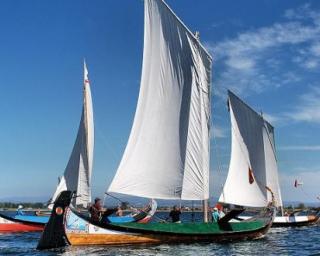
x: 54, y: 235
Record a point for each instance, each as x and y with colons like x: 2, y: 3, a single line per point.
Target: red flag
x: 251, y: 177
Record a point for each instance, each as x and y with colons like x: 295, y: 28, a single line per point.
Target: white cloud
x: 300, y: 148
x: 218, y: 132
x: 272, y: 119
x: 311, y: 64
x: 253, y: 62
x: 308, y: 107
x: 240, y: 63
x: 315, y: 49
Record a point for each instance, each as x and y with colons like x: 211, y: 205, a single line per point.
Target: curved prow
x: 54, y: 235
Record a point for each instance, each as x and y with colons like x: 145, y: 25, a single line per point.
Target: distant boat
x: 77, y: 175
x: 168, y: 152
x: 296, y: 218
x: 249, y: 131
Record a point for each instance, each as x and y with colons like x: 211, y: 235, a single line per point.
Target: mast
x: 205, y: 210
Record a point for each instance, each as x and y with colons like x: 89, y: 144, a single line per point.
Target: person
x: 119, y: 211
x: 19, y: 210
x: 221, y: 213
x: 96, y: 210
x: 215, y: 215
x: 175, y: 214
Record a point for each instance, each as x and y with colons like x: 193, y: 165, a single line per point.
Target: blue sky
x: 265, y: 51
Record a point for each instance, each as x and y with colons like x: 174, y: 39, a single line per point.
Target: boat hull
x: 80, y: 231
x: 295, y: 221
x: 68, y: 227
x: 10, y: 225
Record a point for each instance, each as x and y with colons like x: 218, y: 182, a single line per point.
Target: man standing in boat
x: 175, y: 214
x: 96, y: 210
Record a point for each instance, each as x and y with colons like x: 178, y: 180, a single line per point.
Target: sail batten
x: 167, y: 155
x: 77, y: 175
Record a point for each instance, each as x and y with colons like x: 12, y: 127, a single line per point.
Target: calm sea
x: 279, y: 241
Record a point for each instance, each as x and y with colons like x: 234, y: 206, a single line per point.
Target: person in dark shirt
x: 96, y: 210
x: 175, y: 215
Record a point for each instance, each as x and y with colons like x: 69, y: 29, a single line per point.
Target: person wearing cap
x: 215, y: 215
x: 19, y: 210
x: 96, y: 210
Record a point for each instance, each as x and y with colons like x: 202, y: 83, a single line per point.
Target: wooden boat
x: 68, y: 227
x: 295, y: 220
x: 168, y: 152
x: 9, y: 224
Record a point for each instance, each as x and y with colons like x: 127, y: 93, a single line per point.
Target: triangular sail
x: 167, y: 155
x: 77, y: 175
x: 250, y: 163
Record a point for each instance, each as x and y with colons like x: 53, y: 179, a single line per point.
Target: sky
x: 266, y: 51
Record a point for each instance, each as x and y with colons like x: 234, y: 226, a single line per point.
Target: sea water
x: 279, y: 241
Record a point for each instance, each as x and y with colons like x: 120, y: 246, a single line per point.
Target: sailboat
x: 295, y: 218
x: 167, y: 155
x: 249, y: 131
x: 77, y: 175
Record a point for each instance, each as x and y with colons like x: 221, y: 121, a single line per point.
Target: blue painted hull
x: 34, y: 219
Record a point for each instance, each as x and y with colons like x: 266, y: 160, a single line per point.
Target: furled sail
x: 77, y: 175
x: 167, y: 155
x: 253, y: 164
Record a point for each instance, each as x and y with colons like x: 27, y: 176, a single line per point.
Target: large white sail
x: 247, y: 177
x: 167, y: 155
x: 77, y: 175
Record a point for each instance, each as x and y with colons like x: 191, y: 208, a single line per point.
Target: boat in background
x: 249, y: 131
x: 296, y: 218
x: 77, y: 175
x: 168, y: 151
x: 26, y: 224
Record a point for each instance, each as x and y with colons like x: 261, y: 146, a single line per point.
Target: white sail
x: 246, y: 180
x: 271, y: 164
x: 167, y: 155
x: 77, y: 175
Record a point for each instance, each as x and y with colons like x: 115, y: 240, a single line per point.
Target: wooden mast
x: 205, y: 210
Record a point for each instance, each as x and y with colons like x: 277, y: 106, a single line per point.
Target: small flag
x: 297, y: 183
x: 251, y: 177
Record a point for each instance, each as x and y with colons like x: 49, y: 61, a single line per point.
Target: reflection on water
x: 284, y: 241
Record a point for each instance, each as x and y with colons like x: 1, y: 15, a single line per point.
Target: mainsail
x: 253, y: 163
x: 77, y: 175
x: 167, y: 155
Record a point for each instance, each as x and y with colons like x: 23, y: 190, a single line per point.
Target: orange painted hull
x: 17, y: 227
x: 94, y: 239
x: 129, y: 239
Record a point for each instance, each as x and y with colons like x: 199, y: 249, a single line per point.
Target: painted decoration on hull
x: 74, y: 224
